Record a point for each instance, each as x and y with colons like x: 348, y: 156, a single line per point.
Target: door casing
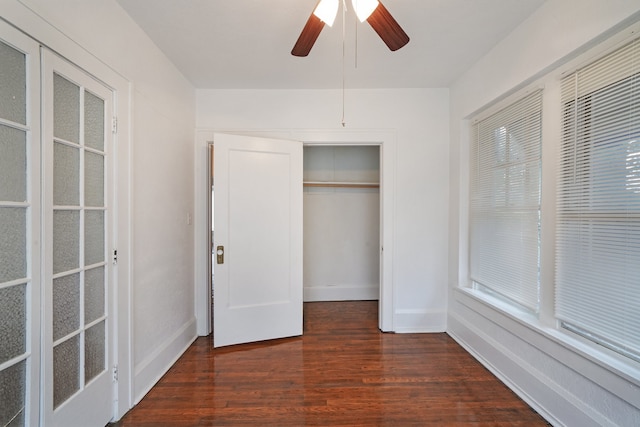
x: 47, y: 35
x: 387, y: 142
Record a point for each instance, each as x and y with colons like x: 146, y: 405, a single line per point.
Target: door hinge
x: 114, y: 125
x: 115, y: 256
x: 115, y: 373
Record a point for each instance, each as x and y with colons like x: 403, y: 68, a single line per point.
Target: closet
x: 341, y: 259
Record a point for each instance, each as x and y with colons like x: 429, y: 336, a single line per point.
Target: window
x: 505, y: 202
x: 598, y: 218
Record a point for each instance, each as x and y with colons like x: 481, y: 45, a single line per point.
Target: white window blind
x: 505, y: 201
x: 598, y: 218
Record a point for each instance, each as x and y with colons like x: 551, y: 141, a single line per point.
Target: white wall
x: 564, y: 379
x: 162, y: 122
x: 419, y: 118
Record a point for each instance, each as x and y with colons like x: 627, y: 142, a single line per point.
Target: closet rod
x: 341, y: 184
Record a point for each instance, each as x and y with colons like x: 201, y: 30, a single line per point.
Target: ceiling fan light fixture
x: 327, y: 11
x: 364, y: 8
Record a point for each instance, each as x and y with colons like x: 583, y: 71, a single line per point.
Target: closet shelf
x: 341, y: 184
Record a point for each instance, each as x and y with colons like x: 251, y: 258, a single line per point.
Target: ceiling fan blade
x: 388, y: 28
x: 308, y: 36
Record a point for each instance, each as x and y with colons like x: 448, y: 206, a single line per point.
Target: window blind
x: 505, y: 201
x: 598, y: 219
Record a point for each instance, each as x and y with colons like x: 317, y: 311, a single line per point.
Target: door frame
x: 385, y: 139
x: 47, y: 35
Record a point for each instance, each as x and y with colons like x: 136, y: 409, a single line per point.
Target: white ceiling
x: 246, y: 44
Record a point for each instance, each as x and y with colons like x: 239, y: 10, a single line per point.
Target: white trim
x: 618, y: 376
x: 566, y: 379
x: 505, y: 102
x: 544, y: 398
x: 546, y: 390
x: 387, y: 141
x: 34, y: 26
x: 202, y: 232
x: 611, y: 371
x: 122, y: 153
x: 149, y: 371
x: 341, y: 293
x: 420, y: 321
x: 598, y: 49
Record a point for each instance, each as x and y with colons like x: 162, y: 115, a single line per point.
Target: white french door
x: 56, y: 235
x: 258, y: 239
x: 78, y: 385
x: 19, y: 229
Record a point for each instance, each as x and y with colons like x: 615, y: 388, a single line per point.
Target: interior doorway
x: 341, y: 198
x: 341, y: 253
x: 385, y: 141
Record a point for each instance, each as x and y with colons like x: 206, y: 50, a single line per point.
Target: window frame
x: 592, y: 200
x: 525, y: 112
x: 545, y: 330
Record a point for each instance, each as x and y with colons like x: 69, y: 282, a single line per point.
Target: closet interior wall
x: 341, y: 223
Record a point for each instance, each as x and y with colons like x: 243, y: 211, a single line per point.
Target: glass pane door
x: 78, y: 233
x: 19, y: 278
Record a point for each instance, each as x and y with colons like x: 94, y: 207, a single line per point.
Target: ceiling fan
x: 371, y: 11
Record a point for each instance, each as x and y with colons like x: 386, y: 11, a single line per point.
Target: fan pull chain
x: 355, y: 20
x: 344, y: 26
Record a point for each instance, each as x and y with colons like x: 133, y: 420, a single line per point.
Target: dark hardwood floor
x: 341, y: 372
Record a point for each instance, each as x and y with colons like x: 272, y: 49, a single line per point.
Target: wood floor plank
x: 341, y: 372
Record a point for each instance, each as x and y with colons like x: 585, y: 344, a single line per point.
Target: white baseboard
x: 419, y: 321
x: 543, y: 394
x: 151, y: 369
x: 341, y: 293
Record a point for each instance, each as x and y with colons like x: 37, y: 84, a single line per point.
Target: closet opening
x: 341, y: 226
x: 347, y: 242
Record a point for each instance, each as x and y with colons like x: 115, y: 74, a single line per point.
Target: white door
x: 19, y: 228
x: 258, y: 239
x: 78, y: 386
